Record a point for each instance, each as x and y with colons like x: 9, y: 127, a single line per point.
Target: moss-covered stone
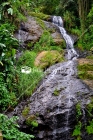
x: 48, y: 58
x: 41, y: 16
x: 31, y: 121
x: 58, y: 40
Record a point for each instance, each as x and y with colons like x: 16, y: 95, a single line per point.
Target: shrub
x: 27, y: 59
x: 27, y: 82
x: 10, y: 131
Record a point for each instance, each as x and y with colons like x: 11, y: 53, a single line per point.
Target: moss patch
x: 25, y: 112
x: 41, y: 16
x: 41, y: 23
x: 31, y: 121
x: 56, y: 92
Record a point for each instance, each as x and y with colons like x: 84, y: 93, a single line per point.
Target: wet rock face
x: 54, y: 102
x: 29, y: 32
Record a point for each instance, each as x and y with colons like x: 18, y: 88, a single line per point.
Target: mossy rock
x: 41, y: 16
x: 47, y: 58
x: 58, y: 40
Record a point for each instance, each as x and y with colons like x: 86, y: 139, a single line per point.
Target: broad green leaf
x: 10, y: 11
x: 2, y: 45
x: 0, y: 16
x: 5, y: 3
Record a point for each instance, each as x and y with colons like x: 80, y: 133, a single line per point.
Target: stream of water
x: 57, y: 20
x: 72, y: 54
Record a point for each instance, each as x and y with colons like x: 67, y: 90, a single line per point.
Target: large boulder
x: 52, y: 108
x: 29, y: 32
x: 48, y: 58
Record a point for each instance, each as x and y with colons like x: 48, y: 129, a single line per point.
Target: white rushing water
x: 57, y: 20
x: 72, y: 54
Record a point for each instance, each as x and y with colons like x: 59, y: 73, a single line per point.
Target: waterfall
x: 57, y: 20
x: 72, y: 54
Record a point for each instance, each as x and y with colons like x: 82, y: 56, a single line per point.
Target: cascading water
x: 57, y: 20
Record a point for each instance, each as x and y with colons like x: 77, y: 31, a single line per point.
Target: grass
x: 84, y: 75
x: 90, y: 57
x: 26, y: 83
x: 85, y: 67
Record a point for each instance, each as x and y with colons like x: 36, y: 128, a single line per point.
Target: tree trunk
x: 83, y: 12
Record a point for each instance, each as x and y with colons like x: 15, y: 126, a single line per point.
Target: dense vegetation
x: 78, y: 17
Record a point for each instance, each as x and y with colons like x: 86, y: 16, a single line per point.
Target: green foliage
x: 89, y: 128
x: 86, y: 41
x: 27, y: 59
x: 10, y: 131
x: 76, y: 31
x: 85, y: 75
x: 3, y: 8
x: 85, y: 126
x: 34, y: 123
x: 7, y: 98
x: 41, y: 23
x: 84, y: 71
x: 89, y: 108
x: 78, y: 110
x: 7, y: 56
x: 27, y: 82
x: 4, y: 94
x: 31, y: 121
x: 88, y: 67
x: 77, y: 130
x: 40, y: 15
x: 69, y: 20
x: 45, y: 42
x: 7, y: 45
x: 50, y: 6
x: 90, y: 16
x: 90, y: 57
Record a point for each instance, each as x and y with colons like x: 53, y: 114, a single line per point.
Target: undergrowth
x: 10, y: 129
